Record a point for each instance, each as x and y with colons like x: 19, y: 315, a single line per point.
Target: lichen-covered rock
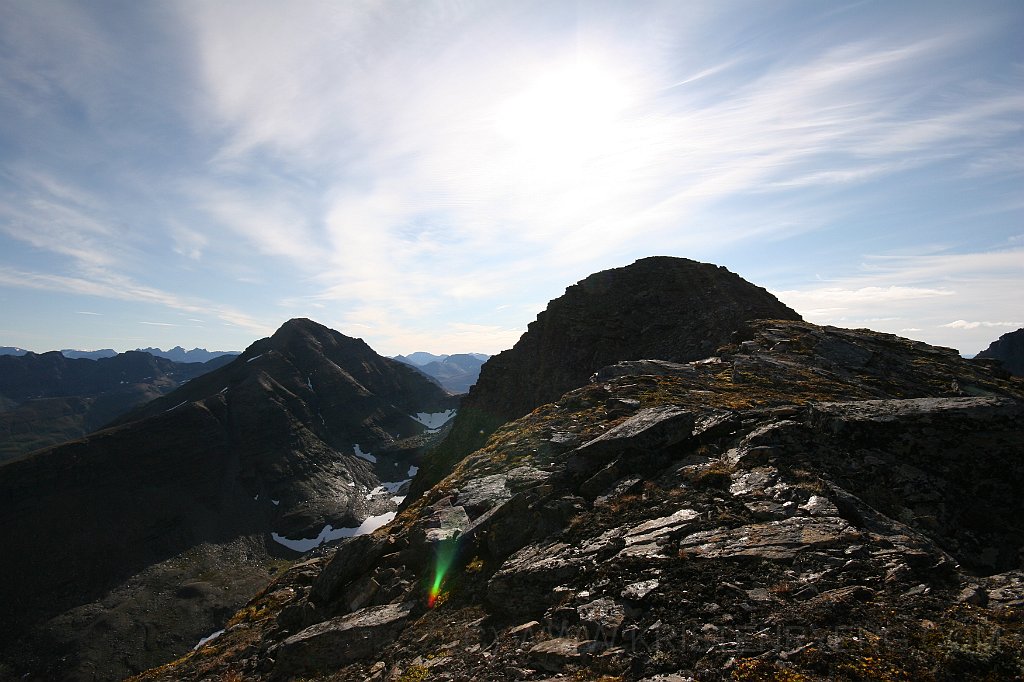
x: 523, y: 586
x: 650, y: 539
x: 603, y: 617
x: 353, y: 558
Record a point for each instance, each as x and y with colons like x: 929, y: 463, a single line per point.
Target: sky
x: 428, y: 175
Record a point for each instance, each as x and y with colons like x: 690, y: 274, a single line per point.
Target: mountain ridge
x: 49, y: 398
x: 456, y: 373
x: 810, y: 503
x: 306, y: 434
x: 655, y: 308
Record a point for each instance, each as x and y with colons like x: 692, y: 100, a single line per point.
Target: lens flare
x: 445, y: 557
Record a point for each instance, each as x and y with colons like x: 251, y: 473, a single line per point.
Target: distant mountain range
x: 456, y: 373
x: 179, y: 354
x: 50, y: 398
x: 421, y: 358
x: 92, y: 354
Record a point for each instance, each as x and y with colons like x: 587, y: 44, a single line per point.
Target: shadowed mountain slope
x: 49, y: 398
x: 191, y: 487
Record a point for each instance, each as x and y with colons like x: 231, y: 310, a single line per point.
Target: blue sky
x: 427, y: 175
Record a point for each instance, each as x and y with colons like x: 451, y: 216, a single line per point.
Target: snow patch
x: 365, y: 455
x: 412, y: 471
x: 255, y: 358
x: 309, y: 383
x: 208, y: 638
x: 329, y: 533
x: 434, y: 420
x: 387, y: 487
x: 398, y: 499
x: 176, y: 406
x: 276, y: 502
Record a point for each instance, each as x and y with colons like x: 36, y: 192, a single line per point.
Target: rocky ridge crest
x: 1009, y: 350
x: 661, y: 307
x: 810, y: 503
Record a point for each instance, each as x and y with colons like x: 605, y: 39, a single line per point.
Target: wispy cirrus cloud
x: 120, y: 288
x: 964, y: 324
x: 423, y: 134
x: 452, y: 164
x: 924, y: 289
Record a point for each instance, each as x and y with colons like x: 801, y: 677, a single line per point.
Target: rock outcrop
x: 812, y: 503
x: 133, y: 543
x: 660, y: 308
x: 1009, y: 350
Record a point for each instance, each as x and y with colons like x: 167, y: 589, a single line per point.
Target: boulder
x: 555, y: 654
x: 649, y: 539
x: 343, y: 640
x: 603, y: 617
x: 650, y: 429
x: 524, y: 583
x: 632, y: 368
x: 353, y: 558
x: 862, y: 417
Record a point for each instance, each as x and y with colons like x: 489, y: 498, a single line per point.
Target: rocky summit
x: 1008, y: 349
x: 661, y: 308
x: 123, y: 549
x: 797, y: 503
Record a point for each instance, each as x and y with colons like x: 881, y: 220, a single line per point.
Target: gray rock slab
x: 653, y: 428
x: 650, y: 539
x: 775, y: 540
x: 843, y: 417
x: 343, y: 640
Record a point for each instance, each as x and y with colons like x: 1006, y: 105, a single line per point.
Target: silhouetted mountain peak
x: 1009, y: 350
x: 661, y: 307
x: 303, y: 333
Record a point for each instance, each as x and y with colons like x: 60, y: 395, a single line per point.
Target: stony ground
x: 811, y: 504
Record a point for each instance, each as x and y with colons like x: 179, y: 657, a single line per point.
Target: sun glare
x: 568, y: 117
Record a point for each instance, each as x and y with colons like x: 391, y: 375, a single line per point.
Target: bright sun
x: 567, y: 119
